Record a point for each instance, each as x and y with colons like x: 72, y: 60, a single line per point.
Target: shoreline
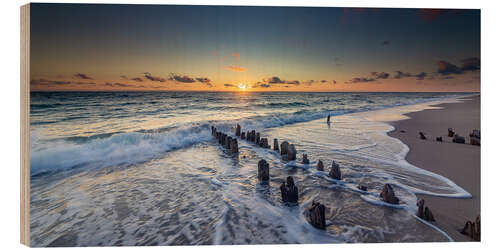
x: 458, y: 162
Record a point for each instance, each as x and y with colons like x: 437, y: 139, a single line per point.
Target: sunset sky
x: 214, y: 48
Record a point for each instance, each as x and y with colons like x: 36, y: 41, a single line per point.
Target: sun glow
x: 242, y: 86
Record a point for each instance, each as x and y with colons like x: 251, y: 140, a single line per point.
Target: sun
x: 242, y: 86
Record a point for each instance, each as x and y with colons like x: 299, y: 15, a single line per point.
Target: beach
x: 457, y: 162
x: 143, y: 168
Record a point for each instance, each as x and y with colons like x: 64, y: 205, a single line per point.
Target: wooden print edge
x: 25, y: 96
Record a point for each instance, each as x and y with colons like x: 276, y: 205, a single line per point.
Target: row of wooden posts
x: 289, y: 191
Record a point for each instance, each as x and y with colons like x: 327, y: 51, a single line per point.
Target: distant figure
x: 328, y: 119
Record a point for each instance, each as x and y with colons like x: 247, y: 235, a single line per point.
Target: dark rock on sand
x: 291, y: 153
x: 440, y: 139
x: 284, y: 148
x: 451, y: 133
x: 388, y: 194
x: 320, y: 166
x: 276, y: 146
x: 263, y: 171
x: 316, y: 215
x: 421, y: 136
x: 475, y: 141
x: 243, y: 136
x: 304, y: 159
x: 238, y: 130
x: 362, y: 187
x: 473, y: 229
x: 289, y: 192
x: 424, y: 212
x: 335, y: 171
x: 475, y: 137
x: 458, y: 139
x: 476, y: 133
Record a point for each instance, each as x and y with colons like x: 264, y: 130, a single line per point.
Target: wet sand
x: 458, y: 162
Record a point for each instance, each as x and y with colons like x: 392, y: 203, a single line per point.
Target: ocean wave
x: 113, y: 149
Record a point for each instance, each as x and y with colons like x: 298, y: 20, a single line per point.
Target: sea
x: 142, y: 168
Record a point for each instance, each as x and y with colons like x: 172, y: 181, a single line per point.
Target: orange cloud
x: 236, y: 55
x: 235, y: 68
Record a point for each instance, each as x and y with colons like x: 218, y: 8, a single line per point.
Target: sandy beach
x: 458, y: 162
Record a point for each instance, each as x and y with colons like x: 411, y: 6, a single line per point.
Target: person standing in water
x: 328, y: 119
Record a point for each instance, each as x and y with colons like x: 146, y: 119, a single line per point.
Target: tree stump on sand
x: 234, y: 146
x: 291, y: 152
x: 335, y: 171
x: 304, y: 159
x: 320, y: 166
x: 238, y: 130
x: 284, y: 147
x: 289, y: 192
x: 263, y: 143
x: 424, y: 212
x: 243, y: 135
x: 276, y: 146
x: 263, y: 171
x: 257, y: 138
x: 388, y: 194
x: 473, y: 229
x: 316, y: 215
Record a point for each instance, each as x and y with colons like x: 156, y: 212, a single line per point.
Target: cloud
x: 229, y: 85
x: 153, y: 78
x: 420, y: 76
x: 360, y: 80
x: 236, y: 55
x: 262, y: 85
x: 235, y: 68
x: 274, y: 80
x: 334, y: 82
x: 323, y: 81
x: 430, y: 14
x: 83, y: 76
x: 124, y: 77
x: 122, y: 85
x: 446, y: 68
x: 310, y: 82
x: 399, y: 74
x: 45, y: 82
x: 380, y: 75
x: 179, y: 78
x: 294, y: 82
x: 203, y: 80
x: 386, y: 42
x: 137, y: 79
x: 471, y: 64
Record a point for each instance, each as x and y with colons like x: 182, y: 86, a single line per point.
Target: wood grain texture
x: 25, y: 150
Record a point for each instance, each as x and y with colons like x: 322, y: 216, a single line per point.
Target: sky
x: 89, y: 47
